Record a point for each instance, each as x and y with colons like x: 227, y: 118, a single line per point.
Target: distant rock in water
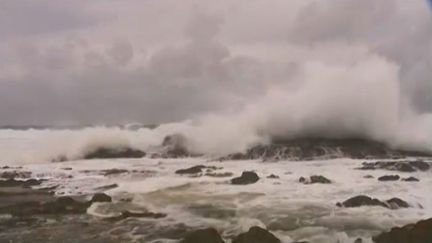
x: 113, y: 153
x: 362, y: 200
x: 421, y: 232
x: 389, y: 178
x: 173, y: 146
x: 321, y: 148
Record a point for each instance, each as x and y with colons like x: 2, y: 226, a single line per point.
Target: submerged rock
x: 421, y: 232
x: 315, y: 179
x: 113, y: 153
x: 389, y: 178
x: 256, y: 235
x: 247, y: 177
x: 223, y: 174
x: 209, y: 235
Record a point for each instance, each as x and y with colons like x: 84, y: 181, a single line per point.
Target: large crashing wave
x: 360, y: 99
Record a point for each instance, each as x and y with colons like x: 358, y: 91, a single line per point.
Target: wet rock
x: 100, y: 197
x: 247, y: 177
x: 129, y: 214
x: 209, y: 235
x: 20, y: 183
x: 420, y: 165
x: 256, y: 235
x: 272, y: 176
x: 302, y: 180
x: 113, y: 153
x: 175, y: 146
x: 315, y: 179
x: 363, y: 200
x: 224, y: 174
x: 396, y: 203
x: 113, y: 172
x: 15, y: 174
x: 421, y: 232
x: 313, y: 148
x: 368, y: 177
x: 389, y: 178
x: 319, y: 179
x: 358, y: 240
x: 192, y: 170
x: 410, y: 179
x: 360, y: 201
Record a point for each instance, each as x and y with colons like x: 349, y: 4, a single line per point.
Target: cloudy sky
x: 153, y: 61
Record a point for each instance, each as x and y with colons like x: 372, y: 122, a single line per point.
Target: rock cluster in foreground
x: 421, y: 232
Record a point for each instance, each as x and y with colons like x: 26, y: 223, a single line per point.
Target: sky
x: 68, y: 62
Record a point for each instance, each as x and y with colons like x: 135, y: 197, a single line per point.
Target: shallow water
x: 293, y: 211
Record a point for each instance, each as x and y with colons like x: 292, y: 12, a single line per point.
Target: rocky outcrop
x: 247, y: 177
x: 401, y: 166
x: 209, y: 235
x: 362, y: 200
x: 256, y: 235
x: 421, y: 232
x: 321, y: 148
x: 114, y: 153
x: 20, y: 183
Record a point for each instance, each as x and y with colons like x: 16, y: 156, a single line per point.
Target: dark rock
x: 192, y: 170
x: 247, y: 177
x: 389, y: 178
x: 175, y: 146
x: 421, y: 165
x: 128, y: 214
x: 313, y: 148
x: 209, y: 235
x: 410, y: 179
x: 224, y: 174
x: 396, y: 203
x: 256, y: 235
x: 15, y: 174
x: 20, y: 183
x: 113, y: 153
x: 368, y: 177
x: 358, y: 240
x: 362, y: 200
x: 113, y: 172
x: 402, y: 166
x: 315, y: 179
x: 319, y: 179
x: 421, y: 232
x: 272, y: 176
x: 100, y: 197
